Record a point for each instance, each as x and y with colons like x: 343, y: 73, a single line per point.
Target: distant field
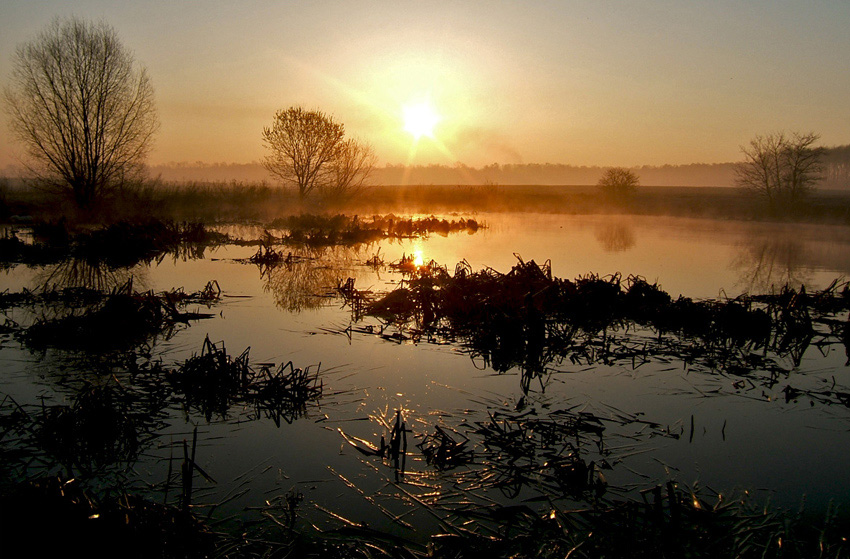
x: 251, y: 201
x: 709, y: 202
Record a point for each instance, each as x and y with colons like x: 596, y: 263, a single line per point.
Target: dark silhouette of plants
x: 782, y: 169
x: 83, y: 109
x: 618, y: 182
x: 307, y: 150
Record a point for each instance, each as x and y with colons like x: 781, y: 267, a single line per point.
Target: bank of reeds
x: 94, y: 321
x: 527, y: 319
x: 316, y: 230
x: 119, y: 244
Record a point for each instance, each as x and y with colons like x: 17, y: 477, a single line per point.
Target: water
x: 664, y: 419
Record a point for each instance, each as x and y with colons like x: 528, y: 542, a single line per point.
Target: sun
x: 420, y: 119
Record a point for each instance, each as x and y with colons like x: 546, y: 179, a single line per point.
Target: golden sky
x: 577, y: 82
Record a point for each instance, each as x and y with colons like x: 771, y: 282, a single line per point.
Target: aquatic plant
x: 212, y: 381
x: 671, y: 520
x: 281, y: 395
x: 320, y: 230
x: 445, y: 450
x: 527, y: 319
x: 118, y: 244
x: 121, y: 319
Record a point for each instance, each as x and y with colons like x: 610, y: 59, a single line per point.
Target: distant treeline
x: 698, y: 174
x: 837, y: 168
x: 836, y: 163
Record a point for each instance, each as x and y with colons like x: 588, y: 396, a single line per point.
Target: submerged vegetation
x: 212, y: 382
x: 124, y: 243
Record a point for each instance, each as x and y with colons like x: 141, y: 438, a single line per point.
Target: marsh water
x: 653, y: 420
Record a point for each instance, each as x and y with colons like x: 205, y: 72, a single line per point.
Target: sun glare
x: 420, y: 119
x: 418, y: 258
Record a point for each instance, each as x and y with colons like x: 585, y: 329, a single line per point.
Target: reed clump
x: 322, y: 230
x: 118, y: 244
x: 121, y: 319
x: 212, y: 381
x: 527, y: 318
x: 283, y: 393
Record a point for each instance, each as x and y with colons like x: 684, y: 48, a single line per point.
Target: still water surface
x: 664, y: 420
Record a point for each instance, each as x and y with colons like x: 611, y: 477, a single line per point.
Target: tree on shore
x: 350, y: 168
x: 783, y: 169
x: 307, y: 150
x: 83, y: 109
x: 618, y: 182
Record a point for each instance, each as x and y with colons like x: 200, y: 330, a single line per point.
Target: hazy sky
x: 580, y: 82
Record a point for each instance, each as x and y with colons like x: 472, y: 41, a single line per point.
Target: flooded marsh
x: 528, y: 378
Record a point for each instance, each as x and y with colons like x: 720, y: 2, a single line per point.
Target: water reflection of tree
x: 306, y: 282
x: 615, y: 236
x: 764, y: 263
x: 75, y: 273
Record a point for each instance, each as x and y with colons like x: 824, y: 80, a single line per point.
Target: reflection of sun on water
x: 418, y: 259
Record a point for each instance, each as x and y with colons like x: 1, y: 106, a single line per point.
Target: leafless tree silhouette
x: 302, y: 144
x: 350, y: 169
x: 83, y: 108
x: 781, y: 168
x: 307, y: 151
x: 618, y: 181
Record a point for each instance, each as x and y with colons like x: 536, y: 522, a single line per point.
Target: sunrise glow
x: 420, y: 119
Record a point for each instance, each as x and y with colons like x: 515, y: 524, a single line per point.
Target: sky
x: 576, y: 82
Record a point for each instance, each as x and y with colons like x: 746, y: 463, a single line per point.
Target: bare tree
x: 302, y: 144
x: 83, y: 109
x: 781, y: 168
x: 618, y: 181
x: 350, y: 168
x: 804, y: 165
